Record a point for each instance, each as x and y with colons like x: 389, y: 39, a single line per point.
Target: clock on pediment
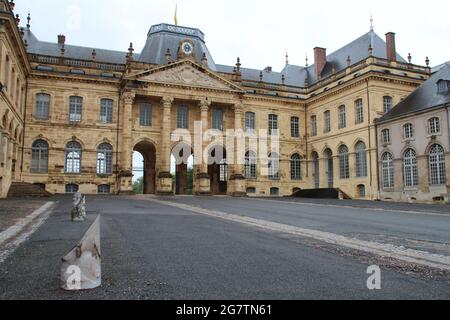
x: 186, y: 49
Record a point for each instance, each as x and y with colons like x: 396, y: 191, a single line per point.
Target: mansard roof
x: 165, y: 36
x: 426, y: 97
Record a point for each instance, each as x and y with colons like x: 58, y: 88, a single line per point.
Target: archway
x: 146, y: 153
x: 218, y: 170
x: 181, y: 166
x: 328, y: 155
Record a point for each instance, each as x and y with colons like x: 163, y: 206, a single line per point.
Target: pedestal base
x: 164, y: 184
x: 237, y: 186
x: 125, y: 183
x: 202, y: 185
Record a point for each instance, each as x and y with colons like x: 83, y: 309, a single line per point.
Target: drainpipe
x: 370, y: 137
x: 306, y: 140
x: 24, y: 127
x: 378, y: 161
x: 448, y: 121
x: 117, y: 140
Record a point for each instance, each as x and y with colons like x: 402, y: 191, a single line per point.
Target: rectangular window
x: 217, y: 117
x: 249, y: 121
x: 42, y: 107
x: 387, y: 104
x: 182, y: 117
x: 314, y: 126
x: 342, y: 117
x: 295, y: 127
x: 75, y: 109
x: 145, y: 116
x: 327, y: 122
x: 273, y: 124
x: 106, y: 111
x: 359, y: 110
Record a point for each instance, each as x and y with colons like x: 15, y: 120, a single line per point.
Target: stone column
x: 202, y: 185
x: 237, y: 186
x: 126, y: 159
x: 165, y: 181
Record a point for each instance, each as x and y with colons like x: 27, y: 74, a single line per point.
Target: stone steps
x: 27, y: 190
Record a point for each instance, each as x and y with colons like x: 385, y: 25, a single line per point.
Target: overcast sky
x: 259, y: 32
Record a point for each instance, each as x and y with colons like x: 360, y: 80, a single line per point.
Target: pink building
x: 414, y: 144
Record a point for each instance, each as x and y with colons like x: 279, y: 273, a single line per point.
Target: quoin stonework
x: 71, y: 117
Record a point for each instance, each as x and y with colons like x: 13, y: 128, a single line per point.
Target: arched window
x: 249, y: 121
x: 72, y: 188
x: 344, y: 164
x: 361, y: 160
x: 104, y: 159
x: 106, y: 111
x: 386, y: 136
x: 388, y: 170
x: 362, y: 191
x: 73, y: 157
x: 296, y: 168
x: 251, y: 190
x: 274, y: 166
x: 39, y: 157
x: 274, y: 192
x: 437, y: 165
x: 250, y: 165
x: 387, y: 104
x: 434, y: 125
x: 104, y: 189
x: 410, y: 168
x: 42, y: 106
x: 408, y: 131
x: 75, y: 109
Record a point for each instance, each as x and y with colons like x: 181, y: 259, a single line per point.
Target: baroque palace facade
x: 72, y: 116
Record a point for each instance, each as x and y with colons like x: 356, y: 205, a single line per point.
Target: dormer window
x: 443, y: 86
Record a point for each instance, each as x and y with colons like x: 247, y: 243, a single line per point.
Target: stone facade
x: 14, y: 70
x: 190, y: 79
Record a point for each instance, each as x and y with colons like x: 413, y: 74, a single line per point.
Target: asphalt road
x: 154, y: 251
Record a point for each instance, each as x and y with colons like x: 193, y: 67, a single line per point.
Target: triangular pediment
x: 186, y: 73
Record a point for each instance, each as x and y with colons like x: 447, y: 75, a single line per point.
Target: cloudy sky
x: 259, y: 32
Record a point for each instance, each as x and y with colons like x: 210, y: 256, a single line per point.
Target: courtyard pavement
x: 153, y: 250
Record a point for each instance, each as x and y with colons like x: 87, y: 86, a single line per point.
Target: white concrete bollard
x: 81, y: 268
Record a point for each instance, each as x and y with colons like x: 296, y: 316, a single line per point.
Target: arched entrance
x: 218, y: 170
x: 316, y: 170
x: 328, y: 155
x: 147, y: 171
x: 182, y: 161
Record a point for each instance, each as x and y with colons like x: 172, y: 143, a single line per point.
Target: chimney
x: 61, y: 39
x: 391, y: 52
x: 320, y: 60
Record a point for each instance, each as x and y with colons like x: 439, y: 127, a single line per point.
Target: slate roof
x: 36, y: 46
x: 426, y: 97
x: 164, y: 36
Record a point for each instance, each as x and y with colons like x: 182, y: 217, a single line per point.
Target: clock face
x: 187, y: 48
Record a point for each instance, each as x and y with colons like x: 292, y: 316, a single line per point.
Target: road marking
x: 33, y: 221
x: 386, y: 250
x: 354, y: 208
